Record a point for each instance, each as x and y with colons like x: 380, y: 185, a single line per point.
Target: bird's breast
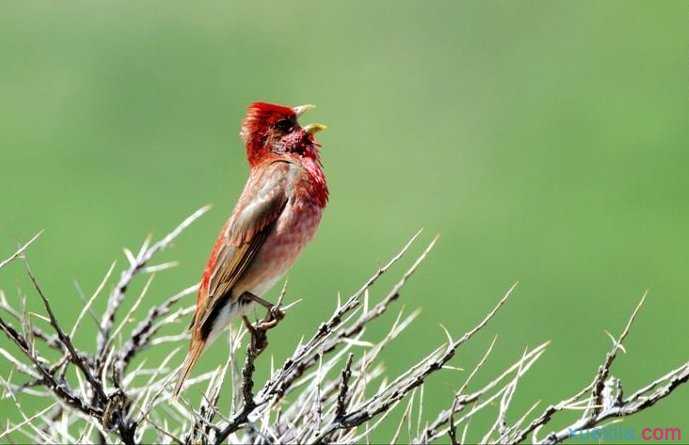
x: 295, y: 227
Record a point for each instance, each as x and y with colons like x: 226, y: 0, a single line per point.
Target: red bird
x: 275, y: 217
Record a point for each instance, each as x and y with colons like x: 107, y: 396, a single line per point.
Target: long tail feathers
x: 195, y: 349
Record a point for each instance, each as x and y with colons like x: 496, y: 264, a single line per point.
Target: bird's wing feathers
x: 263, y: 200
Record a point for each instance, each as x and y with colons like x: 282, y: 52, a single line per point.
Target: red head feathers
x: 270, y: 128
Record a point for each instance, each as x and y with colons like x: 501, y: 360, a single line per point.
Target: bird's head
x: 273, y: 129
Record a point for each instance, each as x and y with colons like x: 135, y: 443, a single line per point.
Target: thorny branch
x: 258, y: 342
x: 136, y: 264
x: 323, y: 392
x: 90, y: 402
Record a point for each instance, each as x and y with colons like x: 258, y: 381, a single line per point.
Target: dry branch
x: 331, y: 388
x: 136, y: 264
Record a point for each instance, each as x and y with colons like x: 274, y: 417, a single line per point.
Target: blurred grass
x: 545, y: 141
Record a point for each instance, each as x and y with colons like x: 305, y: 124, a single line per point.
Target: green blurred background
x: 545, y: 141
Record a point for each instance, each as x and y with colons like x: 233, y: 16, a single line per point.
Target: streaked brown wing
x: 263, y: 200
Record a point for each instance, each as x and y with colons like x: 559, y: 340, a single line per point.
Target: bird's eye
x: 284, y: 124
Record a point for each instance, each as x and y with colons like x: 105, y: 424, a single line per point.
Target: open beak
x: 310, y: 128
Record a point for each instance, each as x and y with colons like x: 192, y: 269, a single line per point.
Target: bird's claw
x: 259, y: 339
x: 276, y: 312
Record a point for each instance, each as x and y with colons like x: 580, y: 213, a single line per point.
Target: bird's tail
x: 195, y: 349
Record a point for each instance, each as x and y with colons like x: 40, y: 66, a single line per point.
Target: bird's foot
x: 275, y: 313
x: 259, y: 339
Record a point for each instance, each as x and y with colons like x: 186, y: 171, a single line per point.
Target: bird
x: 276, y: 215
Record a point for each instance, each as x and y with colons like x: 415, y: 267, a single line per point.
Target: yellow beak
x: 314, y: 128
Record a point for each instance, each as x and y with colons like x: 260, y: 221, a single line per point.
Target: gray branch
x: 332, y: 388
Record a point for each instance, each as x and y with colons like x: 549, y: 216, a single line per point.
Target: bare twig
x: 320, y: 394
x: 257, y: 344
x: 605, y: 401
x: 75, y: 357
x: 342, y: 397
x: 136, y: 265
x: 144, y: 332
x: 382, y: 401
x: 19, y: 252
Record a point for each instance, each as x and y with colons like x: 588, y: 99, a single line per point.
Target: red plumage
x: 276, y: 215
